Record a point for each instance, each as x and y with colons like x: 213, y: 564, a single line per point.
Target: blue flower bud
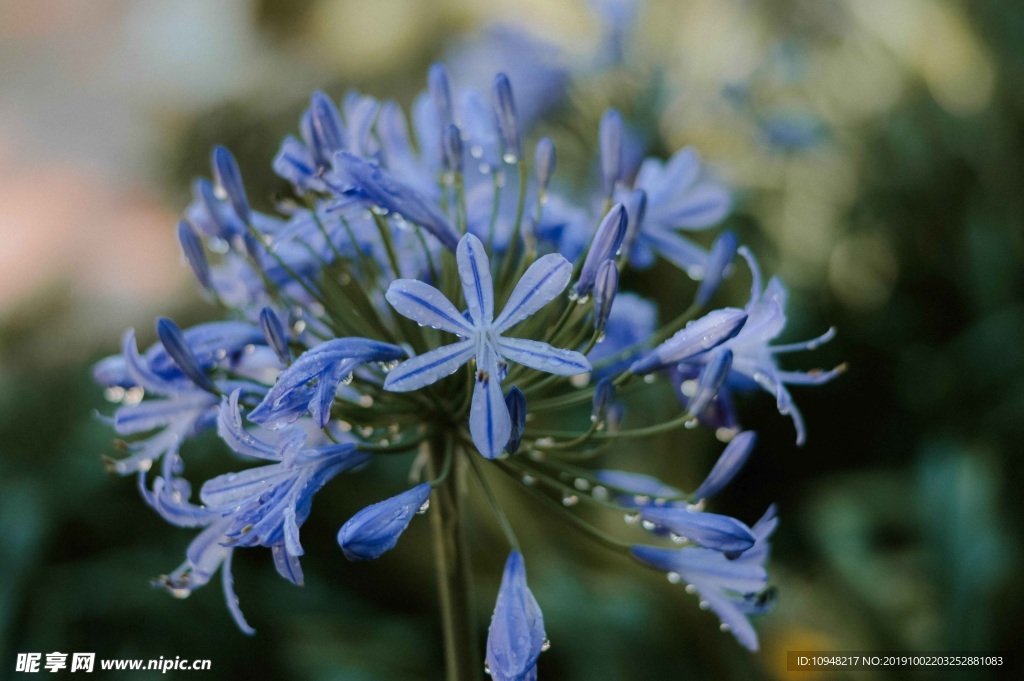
x: 710, y: 530
x: 605, y: 288
x: 636, y: 208
x: 611, y: 150
x: 508, y: 122
x: 451, y: 146
x: 606, y: 244
x: 728, y: 465
x: 326, y: 127
x: 225, y: 171
x: 516, y: 636
x: 516, y: 403
x: 698, y: 336
x: 274, y: 331
x: 722, y: 253
x: 441, y: 93
x: 710, y: 380
x: 195, y: 254
x: 545, y: 160
x: 604, y: 395
x: 375, y: 530
x: 181, y: 354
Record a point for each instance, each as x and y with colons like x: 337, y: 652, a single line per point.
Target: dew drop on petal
x: 673, y: 577
x: 631, y: 518
x: 529, y: 480
x: 581, y: 484
x: 570, y: 500
x: 600, y: 493
x: 649, y: 525
x: 545, y: 646
x: 423, y: 509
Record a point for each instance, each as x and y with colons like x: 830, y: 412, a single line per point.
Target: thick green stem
x: 451, y: 554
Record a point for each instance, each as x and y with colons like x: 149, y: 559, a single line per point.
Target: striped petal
x: 541, y: 284
x: 425, y: 305
x: 429, y: 367
x: 543, y: 357
x: 489, y: 422
x: 475, y: 273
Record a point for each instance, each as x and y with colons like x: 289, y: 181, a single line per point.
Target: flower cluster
x: 424, y: 293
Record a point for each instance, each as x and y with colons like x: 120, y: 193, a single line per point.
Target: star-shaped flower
x: 482, y: 336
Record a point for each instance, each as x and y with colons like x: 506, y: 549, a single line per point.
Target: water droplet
x: 423, y: 509
x: 724, y: 628
x: 704, y: 605
x: 600, y: 493
x: 529, y: 480
x: 347, y: 379
x: 115, y: 394
x: 673, y: 577
x: 573, y: 295
x: 649, y: 378
x: 180, y: 593
x: 487, y: 669
x: 691, y: 424
x: 570, y: 500
x: 510, y: 157
x: 678, y: 539
x: 133, y: 395
x: 649, y: 525
x: 365, y: 401
x: 688, y: 388
x: 579, y: 380
x: 690, y: 589
x: 545, y: 646
x: 641, y: 499
x: 581, y: 484
x: 632, y: 518
x: 600, y: 337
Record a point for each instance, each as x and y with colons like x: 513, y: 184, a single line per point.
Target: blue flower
x: 516, y: 637
x: 754, y: 361
x: 311, y: 382
x: 710, y: 530
x: 678, y: 198
x: 728, y: 465
x: 268, y: 504
x: 732, y: 588
x: 482, y: 336
x: 375, y: 530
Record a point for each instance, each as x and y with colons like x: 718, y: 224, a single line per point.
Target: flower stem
x: 451, y: 554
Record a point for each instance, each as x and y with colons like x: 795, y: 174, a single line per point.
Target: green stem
x: 451, y: 554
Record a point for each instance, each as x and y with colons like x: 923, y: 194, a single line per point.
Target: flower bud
x: 545, y: 160
x: 604, y: 395
x: 227, y: 175
x: 274, y: 331
x: 710, y: 380
x: 611, y: 150
x: 508, y: 122
x: 375, y: 530
x: 605, y: 288
x: 516, y: 403
x: 181, y: 354
x: 606, y: 244
x: 698, y: 336
x: 195, y: 254
x: 728, y: 465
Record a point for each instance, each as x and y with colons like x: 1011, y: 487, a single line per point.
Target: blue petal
x: 696, y: 337
x: 610, y: 136
x: 375, y: 530
x: 710, y: 380
x: 426, y: 305
x: 287, y: 565
x: 233, y: 432
x: 228, y: 585
x: 710, y: 530
x: 181, y: 354
x: 728, y: 465
x: 707, y: 566
x: 605, y: 246
x: 225, y: 170
x: 540, y: 284
x: 475, y: 273
x: 291, y: 396
x: 723, y: 251
x: 489, y: 422
x: 516, y: 636
x: 543, y: 357
x: 678, y: 250
x: 638, y: 484
x: 731, y: 615
x: 430, y: 367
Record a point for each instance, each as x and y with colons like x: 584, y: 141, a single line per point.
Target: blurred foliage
x: 901, y: 523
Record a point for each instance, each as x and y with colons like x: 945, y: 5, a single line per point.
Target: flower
x: 697, y: 337
x: 311, y: 382
x: 754, y: 361
x: 516, y: 637
x: 375, y: 530
x: 733, y: 588
x: 482, y: 336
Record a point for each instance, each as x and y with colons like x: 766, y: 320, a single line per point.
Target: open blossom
x: 405, y: 252
x: 483, y: 336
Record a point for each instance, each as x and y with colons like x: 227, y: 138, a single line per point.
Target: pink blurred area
x: 89, y: 91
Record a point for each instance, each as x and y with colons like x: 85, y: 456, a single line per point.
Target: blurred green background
x: 876, y: 148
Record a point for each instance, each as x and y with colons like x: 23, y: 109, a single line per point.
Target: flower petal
x: 540, y: 284
x: 430, y: 367
x: 543, y: 357
x: 489, y: 422
x: 475, y: 273
x: 516, y: 636
x: 728, y: 464
x: 424, y: 304
x: 710, y: 530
